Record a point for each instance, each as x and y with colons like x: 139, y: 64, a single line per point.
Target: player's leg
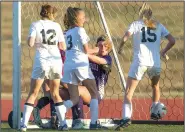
x: 77, y: 110
x: 42, y: 102
x: 154, y: 74
x: 135, y: 75
x: 85, y: 75
x: 78, y: 115
x: 28, y: 106
x: 90, y: 84
x: 59, y: 106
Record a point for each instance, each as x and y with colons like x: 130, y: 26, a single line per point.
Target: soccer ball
x: 159, y: 110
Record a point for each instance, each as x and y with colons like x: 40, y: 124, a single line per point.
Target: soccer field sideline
x: 131, y: 128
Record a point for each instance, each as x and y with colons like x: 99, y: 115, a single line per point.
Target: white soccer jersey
x: 75, y: 56
x: 48, y: 60
x: 146, y: 43
x: 47, y: 35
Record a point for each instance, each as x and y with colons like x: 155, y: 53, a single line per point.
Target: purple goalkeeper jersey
x: 101, y: 76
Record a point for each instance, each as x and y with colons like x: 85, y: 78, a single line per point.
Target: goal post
x: 16, y: 63
x: 123, y: 82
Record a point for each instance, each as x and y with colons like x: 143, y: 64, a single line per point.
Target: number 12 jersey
x: 47, y: 36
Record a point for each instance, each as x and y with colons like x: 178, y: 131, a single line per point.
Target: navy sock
x: 77, y: 110
x: 52, y: 108
x: 42, y: 102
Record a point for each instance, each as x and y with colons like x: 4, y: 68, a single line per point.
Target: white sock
x: 28, y: 108
x: 61, y: 112
x: 153, y: 106
x: 127, y: 110
x: 94, y: 110
x: 68, y: 104
x: 154, y: 103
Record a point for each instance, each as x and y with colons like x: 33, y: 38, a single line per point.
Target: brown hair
x: 70, y: 18
x: 106, y: 41
x: 47, y: 11
x: 145, y: 13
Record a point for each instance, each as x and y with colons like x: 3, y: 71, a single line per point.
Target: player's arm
x: 61, y: 40
x: 62, y: 46
x: 31, y: 41
x: 171, y: 43
x: 128, y: 33
x: 88, y: 50
x: 171, y: 40
x: 97, y: 59
x: 31, y: 36
x: 124, y: 39
x: 84, y: 38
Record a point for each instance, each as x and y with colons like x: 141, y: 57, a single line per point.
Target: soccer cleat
x: 23, y: 128
x: 154, y: 116
x: 36, y: 115
x: 97, y: 126
x: 123, y: 123
x: 63, y: 128
x: 77, y: 124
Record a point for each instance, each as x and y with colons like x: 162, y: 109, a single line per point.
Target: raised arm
x: 124, y: 39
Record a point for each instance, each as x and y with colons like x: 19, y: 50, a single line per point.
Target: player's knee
x: 54, y: 95
x: 94, y: 95
x: 90, y: 84
x: 155, y: 86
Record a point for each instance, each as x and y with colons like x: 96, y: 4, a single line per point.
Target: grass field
x: 132, y: 128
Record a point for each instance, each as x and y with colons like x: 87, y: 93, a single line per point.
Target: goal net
x: 118, y: 16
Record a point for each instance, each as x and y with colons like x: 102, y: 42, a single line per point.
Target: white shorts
x: 75, y: 76
x: 137, y: 71
x: 47, y: 69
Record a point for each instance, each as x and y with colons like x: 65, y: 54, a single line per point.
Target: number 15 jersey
x: 146, y: 43
x: 47, y: 35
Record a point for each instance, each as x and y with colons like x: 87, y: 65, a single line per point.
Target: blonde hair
x: 70, y: 18
x: 106, y: 40
x: 47, y: 11
x: 145, y: 13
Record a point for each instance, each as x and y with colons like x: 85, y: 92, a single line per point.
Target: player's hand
x: 164, y: 55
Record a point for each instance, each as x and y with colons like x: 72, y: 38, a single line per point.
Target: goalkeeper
x: 101, y: 66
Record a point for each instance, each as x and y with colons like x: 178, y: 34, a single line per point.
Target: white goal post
x: 113, y: 48
x: 16, y: 63
x: 17, y: 58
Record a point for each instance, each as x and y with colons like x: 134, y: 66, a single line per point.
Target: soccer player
x: 48, y: 38
x: 100, y: 65
x: 76, y: 66
x: 147, y: 34
x: 45, y: 100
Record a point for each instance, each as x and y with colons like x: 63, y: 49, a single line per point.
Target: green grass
x: 132, y: 128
